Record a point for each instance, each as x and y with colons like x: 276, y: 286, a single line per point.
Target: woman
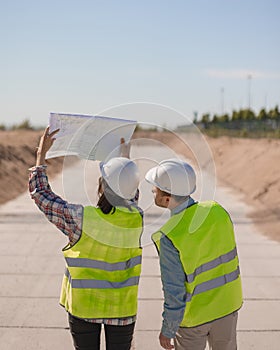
x: 103, y: 255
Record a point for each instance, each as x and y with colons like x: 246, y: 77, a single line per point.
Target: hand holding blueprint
x: 88, y: 137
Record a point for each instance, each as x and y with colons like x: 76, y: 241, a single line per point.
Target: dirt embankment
x: 252, y: 167
x: 17, y: 154
x: 249, y: 166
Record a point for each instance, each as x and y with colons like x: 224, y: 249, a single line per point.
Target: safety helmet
x: 173, y: 176
x: 121, y: 175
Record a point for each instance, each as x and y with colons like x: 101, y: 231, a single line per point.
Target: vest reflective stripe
x: 212, y: 264
x: 103, y: 265
x: 214, y: 283
x: 100, y: 284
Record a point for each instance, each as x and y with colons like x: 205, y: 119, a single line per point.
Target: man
x: 199, y: 264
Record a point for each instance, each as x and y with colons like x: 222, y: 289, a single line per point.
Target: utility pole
x: 265, y: 101
x: 249, y: 78
x: 222, y: 101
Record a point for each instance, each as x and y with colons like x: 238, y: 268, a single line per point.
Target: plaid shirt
x: 67, y: 217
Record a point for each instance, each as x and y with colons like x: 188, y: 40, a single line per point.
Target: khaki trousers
x: 220, y: 334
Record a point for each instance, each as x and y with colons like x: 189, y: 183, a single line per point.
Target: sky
x: 91, y: 56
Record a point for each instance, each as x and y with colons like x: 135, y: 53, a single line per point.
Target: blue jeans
x: 86, y: 335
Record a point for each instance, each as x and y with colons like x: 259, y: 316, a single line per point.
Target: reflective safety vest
x: 203, y: 234
x: 104, y: 266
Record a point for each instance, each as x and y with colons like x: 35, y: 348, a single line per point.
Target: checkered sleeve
x: 65, y: 216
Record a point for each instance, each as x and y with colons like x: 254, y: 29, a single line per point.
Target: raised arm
x: 45, y: 144
x: 65, y: 216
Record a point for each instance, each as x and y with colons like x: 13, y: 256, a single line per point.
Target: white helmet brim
x: 173, y: 176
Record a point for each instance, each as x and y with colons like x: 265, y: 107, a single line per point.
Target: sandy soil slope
x: 17, y: 154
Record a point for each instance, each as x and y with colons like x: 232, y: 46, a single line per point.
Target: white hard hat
x: 173, y: 176
x: 121, y: 174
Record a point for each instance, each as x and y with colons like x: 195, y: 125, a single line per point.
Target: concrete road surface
x: 31, y: 267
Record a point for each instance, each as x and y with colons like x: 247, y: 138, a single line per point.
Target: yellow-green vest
x: 104, y: 266
x: 203, y: 234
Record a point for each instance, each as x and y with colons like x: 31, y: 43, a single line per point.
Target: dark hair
x: 109, y: 200
x: 105, y: 206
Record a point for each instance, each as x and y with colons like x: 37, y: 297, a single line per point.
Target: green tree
x: 24, y: 125
x: 274, y: 114
x: 236, y: 115
x: 224, y: 118
x: 215, y: 119
x: 247, y: 114
x: 262, y: 114
x: 205, y: 118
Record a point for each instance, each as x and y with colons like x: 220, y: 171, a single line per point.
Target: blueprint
x: 88, y: 137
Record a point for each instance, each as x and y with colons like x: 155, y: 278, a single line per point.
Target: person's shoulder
x: 214, y: 209
x: 90, y: 209
x: 210, y: 205
x: 136, y: 208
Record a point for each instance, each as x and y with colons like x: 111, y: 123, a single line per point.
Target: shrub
x: 25, y: 125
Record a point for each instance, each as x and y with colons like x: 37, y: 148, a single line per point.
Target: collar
x: 183, y: 206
